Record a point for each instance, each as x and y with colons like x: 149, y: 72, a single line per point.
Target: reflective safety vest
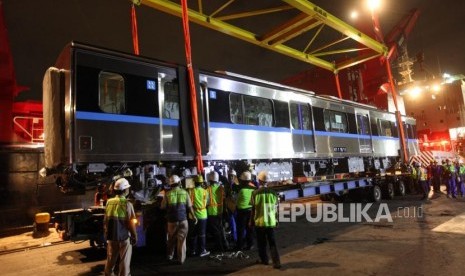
x: 243, y: 198
x: 264, y: 203
x: 451, y: 170
x: 216, y: 193
x: 422, y: 174
x: 198, y: 197
x: 176, y: 205
x: 414, y: 173
x: 116, y: 219
x: 462, y: 170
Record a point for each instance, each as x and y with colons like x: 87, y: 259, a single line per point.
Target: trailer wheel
x: 401, y: 189
x: 375, y: 193
x: 389, y: 192
x: 326, y: 197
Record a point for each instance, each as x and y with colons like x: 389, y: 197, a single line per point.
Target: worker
x: 215, y: 210
x: 119, y: 229
x: 264, y: 217
x: 197, y: 235
x: 414, y: 178
x: 177, y: 204
x: 230, y: 204
x: 101, y: 196
x: 460, y: 179
x: 422, y: 180
x: 436, y: 177
x: 244, y: 209
x: 451, y: 175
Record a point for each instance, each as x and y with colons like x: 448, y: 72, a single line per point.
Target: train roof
x: 76, y: 44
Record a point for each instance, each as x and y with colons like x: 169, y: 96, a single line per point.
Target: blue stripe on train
x: 95, y: 116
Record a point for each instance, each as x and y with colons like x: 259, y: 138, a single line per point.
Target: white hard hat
x: 246, y: 176
x: 213, y: 176
x: 121, y: 184
x: 174, y: 179
x: 263, y: 176
x: 233, y: 172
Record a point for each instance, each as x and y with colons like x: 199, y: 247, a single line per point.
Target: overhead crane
x: 299, y: 30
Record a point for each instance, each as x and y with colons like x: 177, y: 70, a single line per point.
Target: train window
x: 171, y: 105
x: 301, y: 116
x: 258, y: 111
x: 394, y: 129
x: 318, y: 114
x: 111, y: 93
x: 410, y: 131
x: 385, y: 128
x: 351, y: 123
x: 235, y: 108
x: 295, y: 115
x: 374, y: 127
x: 217, y: 100
x: 363, y: 124
x: 335, y: 121
x: 281, y: 114
x: 414, y: 130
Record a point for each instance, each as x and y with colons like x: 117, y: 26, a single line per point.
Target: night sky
x: 39, y: 29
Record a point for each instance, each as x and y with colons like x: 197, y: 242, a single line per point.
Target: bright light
x: 436, y: 87
x: 354, y: 14
x: 374, y: 4
x: 415, y: 91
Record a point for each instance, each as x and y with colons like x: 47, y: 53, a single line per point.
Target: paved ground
x: 429, y: 242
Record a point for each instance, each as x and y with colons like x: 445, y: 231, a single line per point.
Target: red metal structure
x: 19, y: 121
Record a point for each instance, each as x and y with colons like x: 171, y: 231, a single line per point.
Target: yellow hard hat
x: 263, y: 176
x: 198, y: 178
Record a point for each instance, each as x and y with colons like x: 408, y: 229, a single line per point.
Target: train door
x: 363, y: 129
x: 169, y: 108
x: 302, y: 130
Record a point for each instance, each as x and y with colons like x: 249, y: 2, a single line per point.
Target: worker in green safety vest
x: 451, y: 174
x: 244, y: 211
x: 200, y: 201
x: 120, y: 229
x: 422, y: 176
x: 215, y: 210
x: 460, y: 179
x: 264, y: 203
x: 414, y: 185
x: 178, y: 205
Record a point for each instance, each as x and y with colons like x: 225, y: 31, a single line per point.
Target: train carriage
x: 106, y: 110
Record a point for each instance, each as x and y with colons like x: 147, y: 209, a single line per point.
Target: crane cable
x: 135, y: 36
x: 193, y: 91
x: 192, y: 88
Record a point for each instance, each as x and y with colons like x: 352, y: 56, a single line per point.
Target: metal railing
x: 31, y: 127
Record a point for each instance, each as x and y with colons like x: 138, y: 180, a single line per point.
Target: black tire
x: 389, y: 192
x: 401, y: 190
x: 326, y: 197
x: 375, y: 193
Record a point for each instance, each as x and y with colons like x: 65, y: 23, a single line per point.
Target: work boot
x: 275, y: 257
x: 262, y: 262
x: 204, y: 253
